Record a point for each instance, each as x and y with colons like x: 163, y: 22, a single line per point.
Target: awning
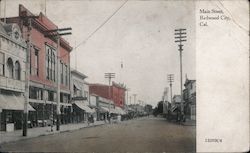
x: 13, y: 102
x: 103, y: 109
x: 174, y: 108
x: 30, y: 108
x: 113, y: 111
x: 120, y: 110
x: 131, y: 109
x: 77, y: 86
x: 84, y: 107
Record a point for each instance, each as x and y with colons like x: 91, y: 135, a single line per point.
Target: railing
x: 12, y: 84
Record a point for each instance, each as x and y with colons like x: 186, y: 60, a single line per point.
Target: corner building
x: 43, y: 76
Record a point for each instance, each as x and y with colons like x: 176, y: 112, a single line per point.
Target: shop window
x: 9, y: 117
x: 1, y: 63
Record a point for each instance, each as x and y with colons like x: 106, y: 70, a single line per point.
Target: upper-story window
x: 66, y: 75
x: 10, y: 67
x: 50, y: 63
x: 61, y: 68
x: 34, y: 62
x: 17, y: 70
x: 1, y: 63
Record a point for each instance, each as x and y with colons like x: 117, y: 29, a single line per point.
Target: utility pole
x: 4, y: 11
x: 55, y: 33
x: 127, y: 89
x: 109, y: 76
x: 27, y: 66
x: 170, y: 80
x: 135, y: 102
x: 180, y: 35
x: 130, y: 100
x: 28, y: 20
x: 134, y: 98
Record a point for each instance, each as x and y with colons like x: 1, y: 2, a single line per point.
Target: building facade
x: 43, y: 76
x: 115, y: 93
x: 189, y: 96
x: 80, y: 97
x: 12, y: 77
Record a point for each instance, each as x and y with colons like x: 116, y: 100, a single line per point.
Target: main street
x: 139, y: 135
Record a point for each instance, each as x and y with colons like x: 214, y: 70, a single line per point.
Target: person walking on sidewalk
x: 51, y: 123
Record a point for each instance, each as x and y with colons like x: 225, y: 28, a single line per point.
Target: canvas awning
x: 77, y: 86
x: 84, y: 107
x: 13, y: 102
x: 120, y: 110
x: 103, y: 109
x: 113, y: 111
x: 174, y: 108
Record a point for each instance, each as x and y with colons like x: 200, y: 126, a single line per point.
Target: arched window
x: 17, y: 71
x: 10, y: 67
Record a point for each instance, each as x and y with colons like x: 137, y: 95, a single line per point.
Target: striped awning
x: 81, y: 105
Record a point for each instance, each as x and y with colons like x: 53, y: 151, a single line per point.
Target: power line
x: 99, y: 27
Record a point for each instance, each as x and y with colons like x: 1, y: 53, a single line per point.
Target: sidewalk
x: 189, y: 123
x: 41, y: 131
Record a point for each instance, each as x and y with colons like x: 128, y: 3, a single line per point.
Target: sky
x: 140, y: 35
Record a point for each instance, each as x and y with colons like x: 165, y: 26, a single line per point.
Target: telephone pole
x: 170, y: 80
x: 109, y: 76
x: 55, y: 34
x: 180, y: 36
x: 28, y: 22
x: 127, y: 89
x: 135, y: 102
x: 134, y: 98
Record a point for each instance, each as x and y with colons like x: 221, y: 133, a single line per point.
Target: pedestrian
x: 88, y: 121
x: 109, y: 119
x: 51, y: 123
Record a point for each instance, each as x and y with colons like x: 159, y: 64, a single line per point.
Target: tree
x: 159, y: 109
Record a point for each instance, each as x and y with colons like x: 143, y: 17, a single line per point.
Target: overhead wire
x: 100, y: 26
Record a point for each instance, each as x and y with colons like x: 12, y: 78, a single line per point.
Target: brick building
x: 117, y: 92
x: 43, y: 77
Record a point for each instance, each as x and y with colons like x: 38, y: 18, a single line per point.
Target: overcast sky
x: 140, y: 34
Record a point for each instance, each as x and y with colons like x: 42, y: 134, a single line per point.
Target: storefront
x: 12, y: 106
x: 103, y: 113
x: 81, y: 111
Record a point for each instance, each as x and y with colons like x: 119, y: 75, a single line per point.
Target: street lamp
x: 180, y: 35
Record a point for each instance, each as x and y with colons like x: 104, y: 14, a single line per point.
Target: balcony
x: 12, y: 84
